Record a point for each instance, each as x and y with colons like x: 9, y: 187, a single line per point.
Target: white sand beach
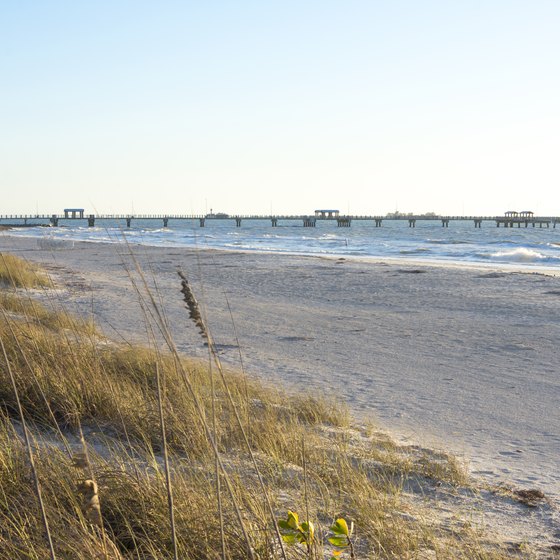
x: 461, y: 359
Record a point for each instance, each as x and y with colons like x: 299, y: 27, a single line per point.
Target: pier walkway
x: 307, y: 220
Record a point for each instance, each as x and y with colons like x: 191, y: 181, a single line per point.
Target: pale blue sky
x: 245, y: 107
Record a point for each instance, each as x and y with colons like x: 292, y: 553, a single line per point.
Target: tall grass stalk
x: 162, y: 324
x: 216, y: 462
x: 160, y: 398
x: 311, y: 540
x: 196, y: 316
x: 98, y: 518
x: 241, y: 362
x: 166, y: 463
x: 29, y: 451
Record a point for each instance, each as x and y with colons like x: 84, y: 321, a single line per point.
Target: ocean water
x: 459, y: 243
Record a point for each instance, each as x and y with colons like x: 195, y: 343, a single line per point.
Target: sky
x: 280, y: 107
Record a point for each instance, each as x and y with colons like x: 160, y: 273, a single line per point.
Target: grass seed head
x: 192, y: 305
x: 90, y: 501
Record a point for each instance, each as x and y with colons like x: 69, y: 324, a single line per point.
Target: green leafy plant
x: 294, y: 532
x: 342, y: 538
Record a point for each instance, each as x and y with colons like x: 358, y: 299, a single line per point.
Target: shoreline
x: 525, y: 261
x: 507, y: 267
x: 438, y: 357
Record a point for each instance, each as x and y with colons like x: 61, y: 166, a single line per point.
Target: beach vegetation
x: 36, y: 312
x: 138, y: 452
x: 16, y: 272
x: 342, y: 538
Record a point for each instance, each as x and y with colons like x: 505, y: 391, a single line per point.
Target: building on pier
x: 74, y: 213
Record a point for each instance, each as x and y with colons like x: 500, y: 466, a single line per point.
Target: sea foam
x: 521, y: 254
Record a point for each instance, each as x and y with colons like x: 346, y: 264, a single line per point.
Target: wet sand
x: 461, y: 359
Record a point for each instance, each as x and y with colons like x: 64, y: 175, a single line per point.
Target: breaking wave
x: 521, y: 254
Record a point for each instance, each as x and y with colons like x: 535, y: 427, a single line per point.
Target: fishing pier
x: 72, y: 216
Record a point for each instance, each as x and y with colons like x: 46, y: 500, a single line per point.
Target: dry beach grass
x: 94, y: 412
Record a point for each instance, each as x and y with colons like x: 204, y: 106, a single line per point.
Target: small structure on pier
x: 524, y: 214
x: 526, y: 217
x: 327, y: 214
x: 74, y: 213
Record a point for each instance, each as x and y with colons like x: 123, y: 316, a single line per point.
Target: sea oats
x: 192, y: 305
x: 90, y: 504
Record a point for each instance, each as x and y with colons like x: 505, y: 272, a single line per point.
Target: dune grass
x: 18, y: 273
x: 36, y: 312
x: 71, y: 381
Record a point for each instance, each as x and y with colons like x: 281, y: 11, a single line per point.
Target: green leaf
x: 341, y: 541
x: 293, y: 520
x: 309, y: 529
x: 340, y: 527
x: 289, y: 539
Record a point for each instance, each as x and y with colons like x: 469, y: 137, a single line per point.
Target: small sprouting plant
x: 294, y: 532
x: 342, y: 538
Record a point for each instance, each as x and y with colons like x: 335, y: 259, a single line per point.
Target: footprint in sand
x: 512, y: 454
x: 296, y: 338
x: 493, y: 275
